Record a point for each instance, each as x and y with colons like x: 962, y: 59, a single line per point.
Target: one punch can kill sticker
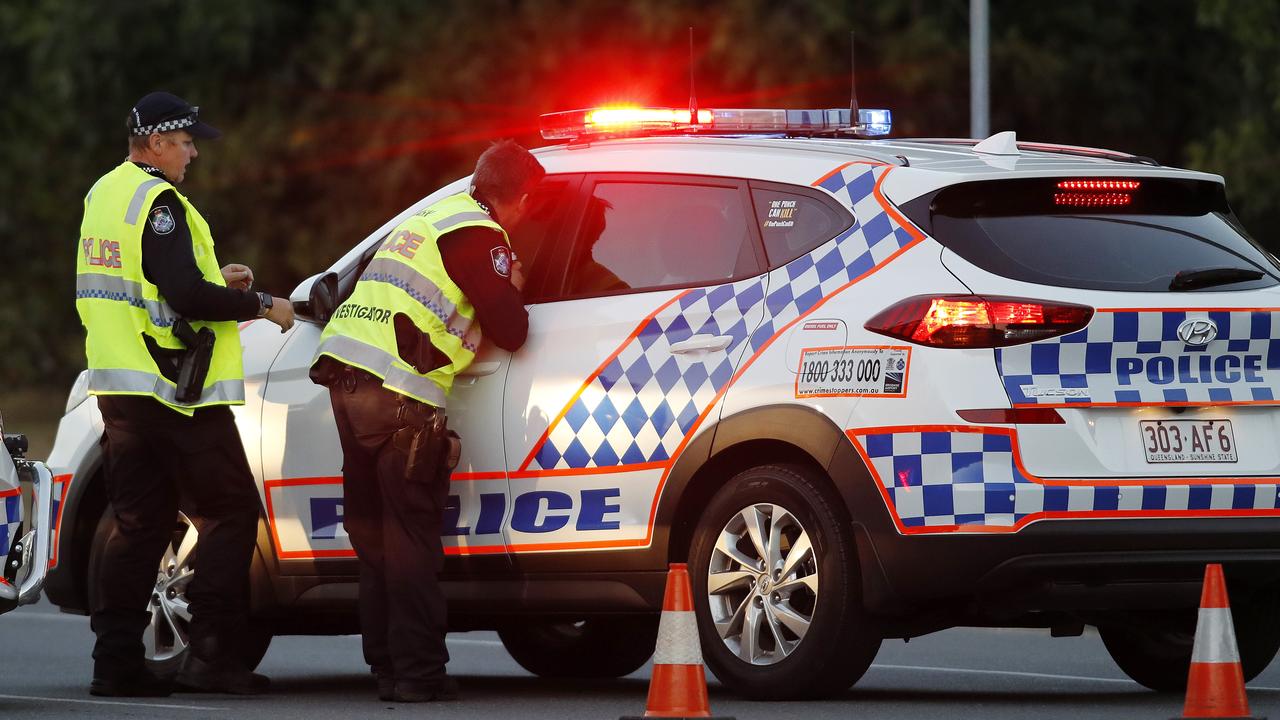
x: 853, y: 371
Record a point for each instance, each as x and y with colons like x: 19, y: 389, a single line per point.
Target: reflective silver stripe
x: 93, y: 286
x: 465, y: 217
x: 137, y: 381
x: 89, y: 195
x: 677, y: 639
x: 382, y: 364
x: 1215, y: 637
x: 135, y: 205
x: 431, y: 297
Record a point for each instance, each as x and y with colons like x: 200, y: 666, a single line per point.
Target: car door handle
x: 701, y: 342
x: 481, y: 368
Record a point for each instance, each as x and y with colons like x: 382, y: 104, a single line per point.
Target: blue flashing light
x: 874, y: 123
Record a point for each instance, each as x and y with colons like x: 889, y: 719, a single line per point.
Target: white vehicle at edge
x: 867, y: 388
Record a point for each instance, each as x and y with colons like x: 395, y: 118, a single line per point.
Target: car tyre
x: 165, y: 638
x: 1158, y: 656
x: 802, y: 633
x: 601, y: 647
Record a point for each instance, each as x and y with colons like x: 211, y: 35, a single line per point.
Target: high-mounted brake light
x: 1099, y: 184
x: 970, y: 321
x: 630, y: 121
x: 1109, y: 199
x: 1096, y: 192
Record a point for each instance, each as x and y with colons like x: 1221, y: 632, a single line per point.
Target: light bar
x: 632, y: 121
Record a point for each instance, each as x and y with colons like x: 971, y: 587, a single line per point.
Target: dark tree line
x: 338, y: 114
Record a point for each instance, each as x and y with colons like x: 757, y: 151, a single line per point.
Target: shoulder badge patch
x: 501, y: 260
x: 162, y: 220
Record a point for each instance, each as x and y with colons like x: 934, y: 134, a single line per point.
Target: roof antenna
x: 693, y: 101
x: 853, y: 86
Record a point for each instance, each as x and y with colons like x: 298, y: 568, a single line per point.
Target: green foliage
x: 1244, y: 143
x: 336, y: 115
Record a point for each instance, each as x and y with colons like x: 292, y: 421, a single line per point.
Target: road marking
x: 1014, y: 673
x: 158, y: 706
x: 470, y: 641
x: 45, y: 616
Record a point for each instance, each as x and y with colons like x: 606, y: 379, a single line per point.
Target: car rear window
x: 1094, y: 236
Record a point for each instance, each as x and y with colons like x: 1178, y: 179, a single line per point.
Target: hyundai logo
x: 1197, y: 331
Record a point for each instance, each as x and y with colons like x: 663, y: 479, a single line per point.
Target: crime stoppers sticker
x: 855, y: 371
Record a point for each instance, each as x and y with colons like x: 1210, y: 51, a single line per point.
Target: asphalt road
x: 957, y: 674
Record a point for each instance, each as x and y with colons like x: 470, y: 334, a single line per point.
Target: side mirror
x: 316, y: 298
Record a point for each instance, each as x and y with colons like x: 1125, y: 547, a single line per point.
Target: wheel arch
x: 67, y: 585
x: 791, y: 434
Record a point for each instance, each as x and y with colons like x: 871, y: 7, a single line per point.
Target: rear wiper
x: 1208, y: 277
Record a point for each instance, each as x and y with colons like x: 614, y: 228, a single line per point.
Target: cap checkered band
x: 167, y: 125
x: 949, y: 479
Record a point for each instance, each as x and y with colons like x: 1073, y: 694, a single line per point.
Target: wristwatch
x: 264, y: 303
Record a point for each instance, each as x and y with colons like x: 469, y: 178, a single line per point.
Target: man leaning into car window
x: 164, y: 359
x: 389, y: 356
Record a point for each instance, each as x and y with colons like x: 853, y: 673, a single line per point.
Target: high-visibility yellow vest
x: 407, y: 276
x: 118, y: 305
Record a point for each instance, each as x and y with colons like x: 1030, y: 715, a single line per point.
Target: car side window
x: 795, y: 220
x: 534, y: 237
x: 642, y: 235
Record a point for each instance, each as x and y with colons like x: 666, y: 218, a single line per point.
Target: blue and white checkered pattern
x: 945, y: 479
x: 10, y: 520
x: 1087, y: 359
x: 640, y: 407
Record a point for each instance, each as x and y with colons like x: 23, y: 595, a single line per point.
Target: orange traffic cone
x: 1215, y: 685
x: 678, y: 688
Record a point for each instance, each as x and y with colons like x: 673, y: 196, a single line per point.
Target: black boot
x: 142, y: 683
x: 198, y: 675
x: 415, y: 691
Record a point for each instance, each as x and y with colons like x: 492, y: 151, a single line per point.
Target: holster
x: 193, y: 367
x: 431, y: 449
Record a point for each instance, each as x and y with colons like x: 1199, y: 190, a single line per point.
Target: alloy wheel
x: 167, y: 635
x: 762, y: 584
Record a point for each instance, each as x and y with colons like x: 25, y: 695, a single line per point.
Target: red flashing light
x: 970, y: 321
x: 1099, y: 184
x: 623, y: 117
x: 1104, y: 199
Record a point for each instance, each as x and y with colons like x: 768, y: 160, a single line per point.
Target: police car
x: 867, y: 388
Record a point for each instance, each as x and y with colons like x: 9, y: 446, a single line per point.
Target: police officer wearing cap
x: 389, y: 356
x: 164, y: 361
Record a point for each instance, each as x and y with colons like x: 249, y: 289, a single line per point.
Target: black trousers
x: 158, y: 460
x: 394, y: 524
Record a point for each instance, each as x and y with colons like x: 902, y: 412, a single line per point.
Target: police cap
x: 162, y: 112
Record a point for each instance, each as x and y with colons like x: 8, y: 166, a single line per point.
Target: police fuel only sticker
x: 853, y: 371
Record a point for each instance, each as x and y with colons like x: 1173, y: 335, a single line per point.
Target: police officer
x: 389, y: 356
x: 146, y: 274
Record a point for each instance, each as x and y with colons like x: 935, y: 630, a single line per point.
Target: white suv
x: 867, y: 389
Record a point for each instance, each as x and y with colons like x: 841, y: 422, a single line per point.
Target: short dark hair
x: 506, y: 171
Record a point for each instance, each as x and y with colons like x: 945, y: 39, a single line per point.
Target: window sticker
x: 780, y: 214
x: 853, y: 371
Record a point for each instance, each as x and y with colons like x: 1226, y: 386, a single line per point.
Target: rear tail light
x: 970, y: 321
x: 1020, y: 416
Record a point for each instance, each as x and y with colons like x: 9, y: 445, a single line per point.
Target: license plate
x: 1188, y: 441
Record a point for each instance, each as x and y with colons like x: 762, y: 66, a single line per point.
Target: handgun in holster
x: 432, y: 450
x: 194, y: 366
